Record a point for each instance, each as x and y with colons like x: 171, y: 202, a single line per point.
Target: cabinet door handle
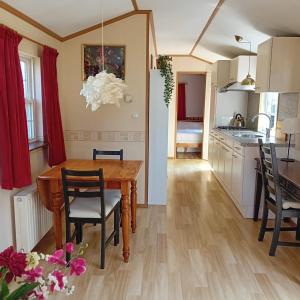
x: 237, y: 148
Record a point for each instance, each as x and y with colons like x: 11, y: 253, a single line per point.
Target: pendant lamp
x: 103, y: 88
x: 248, y: 81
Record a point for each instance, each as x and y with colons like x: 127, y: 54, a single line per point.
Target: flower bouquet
x: 32, y: 281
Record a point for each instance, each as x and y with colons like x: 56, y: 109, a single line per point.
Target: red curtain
x: 53, y: 130
x: 14, y: 151
x: 181, y: 113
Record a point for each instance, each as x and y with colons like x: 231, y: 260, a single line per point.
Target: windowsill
x: 37, y: 145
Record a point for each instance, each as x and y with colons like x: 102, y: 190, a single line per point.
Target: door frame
x: 176, y: 106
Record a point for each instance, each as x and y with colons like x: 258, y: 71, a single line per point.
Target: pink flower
x: 58, y: 280
x: 34, y: 274
x: 15, y: 262
x: 56, y: 258
x: 69, y: 247
x: 78, y: 266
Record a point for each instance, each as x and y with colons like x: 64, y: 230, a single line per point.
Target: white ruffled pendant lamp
x: 103, y: 88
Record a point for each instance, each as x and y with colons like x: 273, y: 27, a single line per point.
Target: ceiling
x: 255, y: 20
x: 65, y: 17
x: 178, y: 23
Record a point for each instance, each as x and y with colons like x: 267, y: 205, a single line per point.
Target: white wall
x: 195, y: 93
x: 228, y: 105
x: 188, y: 64
x: 109, y: 127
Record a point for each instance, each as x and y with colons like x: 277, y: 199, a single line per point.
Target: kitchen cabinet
x: 237, y: 178
x: 216, y: 151
x: 221, y: 165
x: 227, y: 167
x: 234, y: 167
x: 239, y: 68
x: 278, y: 65
x: 220, y: 73
x: 211, y: 140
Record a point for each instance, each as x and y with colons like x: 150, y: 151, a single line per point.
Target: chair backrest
x: 269, y: 170
x: 79, y: 183
x: 107, y: 153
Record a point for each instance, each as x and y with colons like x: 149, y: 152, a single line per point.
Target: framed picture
x: 114, y: 60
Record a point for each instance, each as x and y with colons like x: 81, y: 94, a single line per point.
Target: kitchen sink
x: 248, y: 135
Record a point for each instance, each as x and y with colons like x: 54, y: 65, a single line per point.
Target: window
x: 28, y: 83
x: 268, y: 105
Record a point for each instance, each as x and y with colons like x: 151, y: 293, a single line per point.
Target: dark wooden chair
x: 282, y: 204
x: 117, y: 153
x: 107, y: 153
x: 94, y: 206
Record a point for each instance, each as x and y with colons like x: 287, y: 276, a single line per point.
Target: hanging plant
x: 165, y: 66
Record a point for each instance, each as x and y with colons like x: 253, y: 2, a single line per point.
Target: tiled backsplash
x: 104, y: 136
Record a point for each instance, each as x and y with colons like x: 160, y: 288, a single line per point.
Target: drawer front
x: 229, y: 142
x: 222, y: 138
x: 238, y: 148
x: 214, y: 134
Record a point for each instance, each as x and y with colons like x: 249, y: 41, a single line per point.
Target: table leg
x: 125, y: 219
x: 57, y: 228
x: 133, y: 197
x: 258, y: 191
x: 56, y: 200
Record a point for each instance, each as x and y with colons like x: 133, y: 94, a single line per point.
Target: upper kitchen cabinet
x: 239, y: 68
x: 278, y: 65
x: 220, y: 73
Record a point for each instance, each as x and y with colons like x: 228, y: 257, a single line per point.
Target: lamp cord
x: 102, y: 34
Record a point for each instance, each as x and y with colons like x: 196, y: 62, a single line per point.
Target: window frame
x: 29, y: 92
x: 262, y: 121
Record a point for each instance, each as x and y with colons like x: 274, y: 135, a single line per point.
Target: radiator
x: 32, y: 219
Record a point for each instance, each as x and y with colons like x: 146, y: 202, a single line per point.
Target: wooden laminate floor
x: 198, y: 247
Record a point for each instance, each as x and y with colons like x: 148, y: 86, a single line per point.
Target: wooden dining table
x: 289, y: 173
x: 120, y: 173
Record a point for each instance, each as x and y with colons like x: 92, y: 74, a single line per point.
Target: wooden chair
x: 89, y: 206
x: 282, y: 204
x: 107, y: 152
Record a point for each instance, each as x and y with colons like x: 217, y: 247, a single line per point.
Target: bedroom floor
x: 188, y: 155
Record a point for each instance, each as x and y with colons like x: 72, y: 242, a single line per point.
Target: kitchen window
x: 28, y: 84
x: 268, y: 105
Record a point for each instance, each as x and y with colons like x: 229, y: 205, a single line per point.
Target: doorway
x: 189, y: 120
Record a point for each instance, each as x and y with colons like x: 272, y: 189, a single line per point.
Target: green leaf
x: 22, y: 291
x: 4, y: 291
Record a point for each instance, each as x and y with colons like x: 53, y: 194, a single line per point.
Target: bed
x: 189, y: 135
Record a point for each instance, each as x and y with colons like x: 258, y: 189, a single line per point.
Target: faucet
x: 268, y: 130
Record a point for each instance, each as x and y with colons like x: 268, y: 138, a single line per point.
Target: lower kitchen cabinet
x: 221, y: 169
x: 237, y: 178
x: 234, y: 167
x: 216, y: 150
x: 228, y: 167
x: 211, y: 151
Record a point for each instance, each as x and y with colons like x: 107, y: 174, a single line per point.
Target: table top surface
x: 113, y: 170
x: 289, y: 171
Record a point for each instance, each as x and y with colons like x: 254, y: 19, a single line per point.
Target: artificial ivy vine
x: 165, y: 66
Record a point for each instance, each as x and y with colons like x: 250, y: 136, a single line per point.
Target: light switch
x: 135, y: 115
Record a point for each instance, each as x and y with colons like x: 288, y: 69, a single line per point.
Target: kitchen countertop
x: 251, y: 142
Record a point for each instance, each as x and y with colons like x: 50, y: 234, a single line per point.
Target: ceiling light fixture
x: 248, y: 81
x: 103, y: 88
